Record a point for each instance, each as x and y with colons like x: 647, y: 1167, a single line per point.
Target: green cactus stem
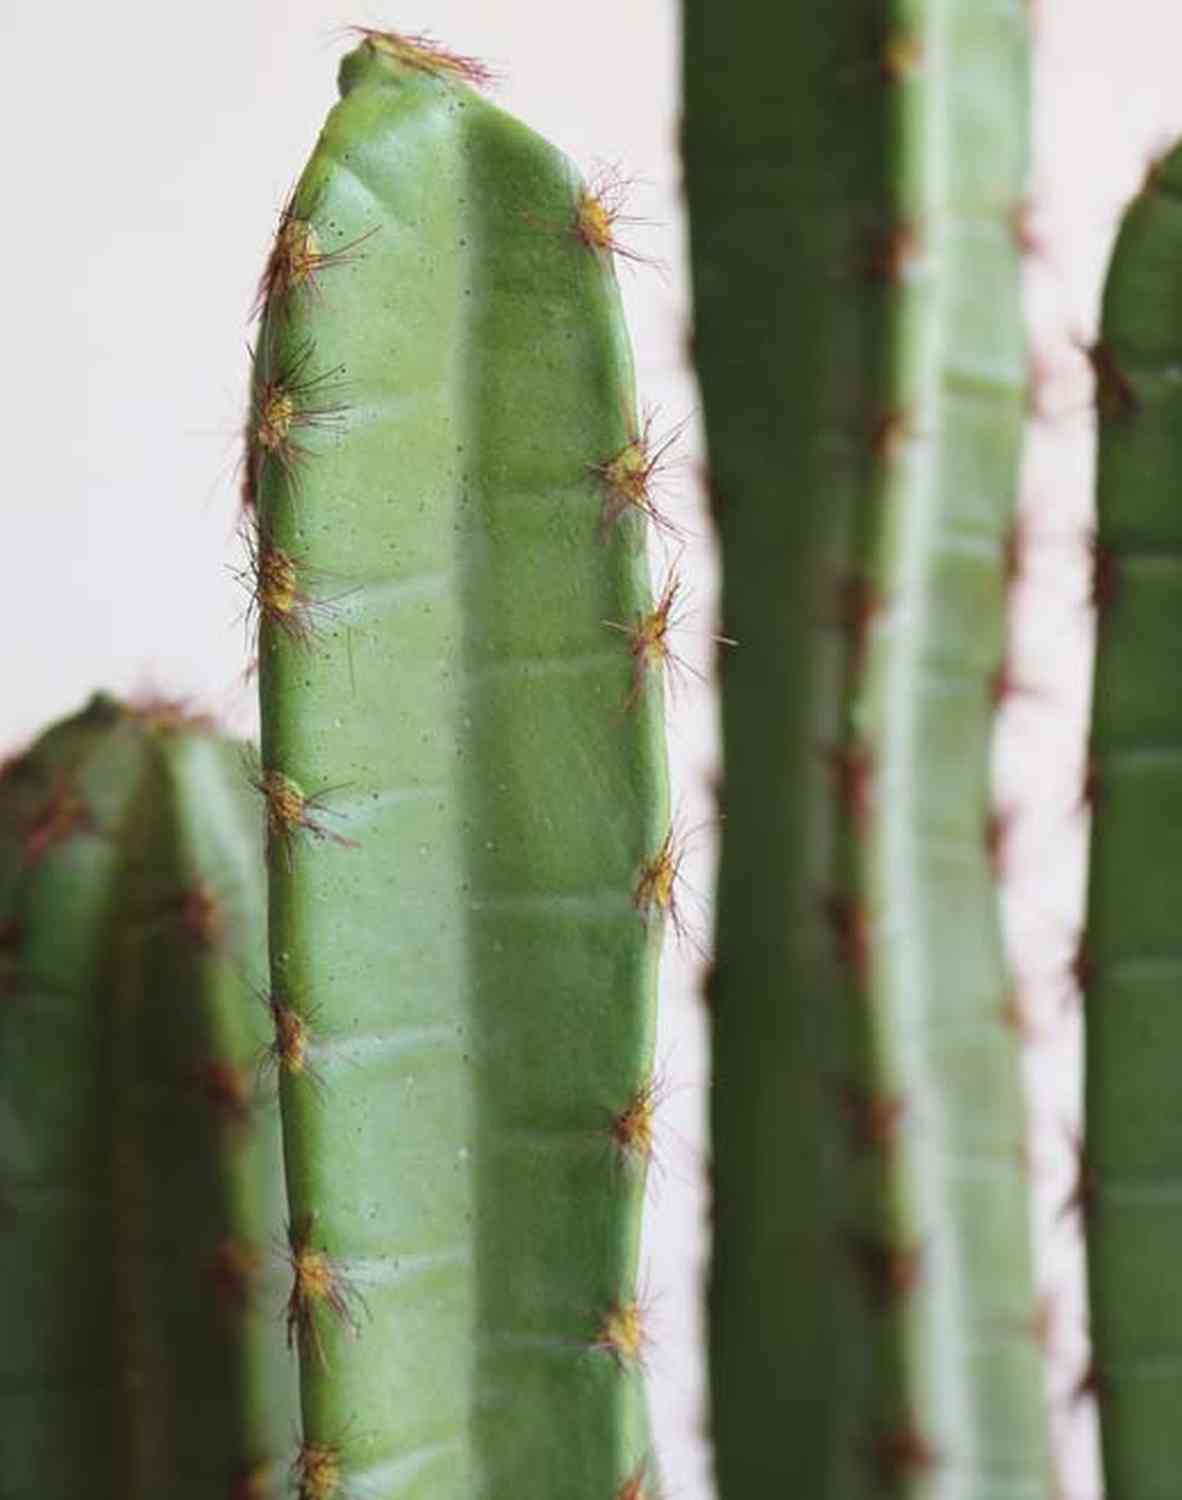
x: 1130, y: 959
x: 466, y: 795
x: 854, y: 173
x: 141, y: 1180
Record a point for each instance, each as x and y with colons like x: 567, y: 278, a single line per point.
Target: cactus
x: 470, y: 861
x: 1129, y: 961
x: 140, y: 1169
x: 854, y: 174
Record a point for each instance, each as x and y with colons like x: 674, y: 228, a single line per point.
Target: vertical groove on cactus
x: 858, y: 338
x: 141, y: 1175
x: 454, y: 928
x: 1130, y: 960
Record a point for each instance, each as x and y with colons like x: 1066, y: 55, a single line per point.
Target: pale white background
x: 146, y: 152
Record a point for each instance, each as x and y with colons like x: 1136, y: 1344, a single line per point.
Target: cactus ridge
x: 858, y: 339
x: 477, y: 955
x: 1128, y: 962
x: 139, y: 1158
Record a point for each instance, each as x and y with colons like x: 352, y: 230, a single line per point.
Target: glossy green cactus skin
x: 141, y: 1282
x: 456, y: 930
x: 854, y: 173
x: 1131, y: 958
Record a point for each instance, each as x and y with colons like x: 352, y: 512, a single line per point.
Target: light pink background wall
x: 146, y: 153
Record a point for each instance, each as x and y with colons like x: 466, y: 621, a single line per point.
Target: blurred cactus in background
x: 1129, y: 964
x: 141, y: 1181
x: 855, y: 174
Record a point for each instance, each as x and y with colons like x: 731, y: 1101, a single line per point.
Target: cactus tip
x: 164, y: 715
x: 421, y: 51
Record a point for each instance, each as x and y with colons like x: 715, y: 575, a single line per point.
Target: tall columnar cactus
x: 1130, y: 961
x: 854, y: 173
x: 463, y: 763
x: 141, y: 1191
